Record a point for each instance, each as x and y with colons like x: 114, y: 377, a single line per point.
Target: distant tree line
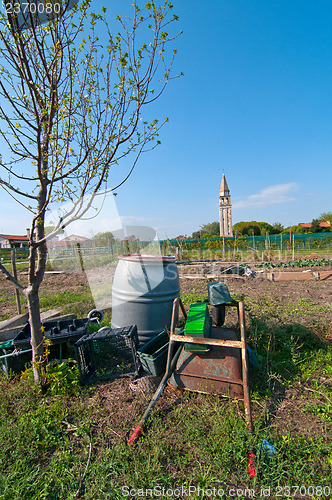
x: 250, y: 228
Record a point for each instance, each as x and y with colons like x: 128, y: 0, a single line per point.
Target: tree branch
x: 11, y: 278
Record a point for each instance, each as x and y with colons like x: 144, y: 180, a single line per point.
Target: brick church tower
x: 225, y: 209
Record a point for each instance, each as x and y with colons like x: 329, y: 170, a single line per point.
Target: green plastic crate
x: 153, y: 355
x: 198, y: 324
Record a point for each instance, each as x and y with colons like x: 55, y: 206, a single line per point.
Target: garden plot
x: 192, y: 438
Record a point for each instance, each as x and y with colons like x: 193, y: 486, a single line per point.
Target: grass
x: 20, y: 266
x: 79, y: 303
x: 189, y: 298
x: 42, y: 457
x: 192, y: 440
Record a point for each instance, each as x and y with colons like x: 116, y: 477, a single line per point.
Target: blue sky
x: 255, y: 102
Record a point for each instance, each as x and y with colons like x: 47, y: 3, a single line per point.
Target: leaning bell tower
x: 225, y: 209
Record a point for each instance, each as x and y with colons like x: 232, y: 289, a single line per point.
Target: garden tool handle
x: 251, y: 465
x: 139, y: 429
x: 136, y: 434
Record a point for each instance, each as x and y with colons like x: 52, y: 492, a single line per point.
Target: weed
x: 63, y: 379
x: 189, y: 298
x: 322, y: 410
x: 59, y: 379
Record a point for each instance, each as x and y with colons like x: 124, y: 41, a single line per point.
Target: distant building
x: 225, y: 209
x: 321, y: 224
x: 13, y: 241
x: 70, y: 241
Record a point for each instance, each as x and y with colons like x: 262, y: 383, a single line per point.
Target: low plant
x: 189, y: 298
x: 57, y: 378
x: 296, y: 263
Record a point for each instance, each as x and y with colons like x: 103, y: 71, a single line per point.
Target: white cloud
x: 280, y: 193
x: 133, y: 219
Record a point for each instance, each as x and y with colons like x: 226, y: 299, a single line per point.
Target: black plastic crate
x: 61, y: 333
x: 108, y: 353
x: 58, y: 332
x: 14, y: 364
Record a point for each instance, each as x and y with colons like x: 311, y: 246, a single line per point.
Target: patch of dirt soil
x: 52, y: 283
x: 320, y: 291
x: 120, y: 408
x: 305, y: 302
x: 288, y: 411
x: 292, y: 415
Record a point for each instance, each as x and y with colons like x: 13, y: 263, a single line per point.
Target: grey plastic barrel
x: 144, y: 287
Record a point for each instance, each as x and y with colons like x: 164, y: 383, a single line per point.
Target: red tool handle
x: 251, y: 465
x: 136, y: 435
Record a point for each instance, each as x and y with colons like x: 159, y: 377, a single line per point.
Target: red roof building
x: 181, y: 237
x: 326, y: 223
x: 13, y: 241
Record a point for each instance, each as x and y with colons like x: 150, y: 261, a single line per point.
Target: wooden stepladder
x: 171, y: 365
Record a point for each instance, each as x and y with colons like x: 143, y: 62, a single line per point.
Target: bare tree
x: 73, y: 90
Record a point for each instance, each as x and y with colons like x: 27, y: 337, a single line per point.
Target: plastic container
x: 144, y: 287
x: 58, y: 331
x: 198, y: 324
x: 13, y: 364
x: 153, y: 355
x: 108, y: 353
x: 218, y: 293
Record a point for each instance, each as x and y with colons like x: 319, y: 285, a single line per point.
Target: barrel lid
x: 147, y: 258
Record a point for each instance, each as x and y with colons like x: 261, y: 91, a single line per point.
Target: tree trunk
x: 37, y: 335
x: 36, y: 275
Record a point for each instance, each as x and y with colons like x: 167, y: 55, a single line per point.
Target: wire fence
x: 276, y: 246
x: 252, y: 248
x: 20, y: 253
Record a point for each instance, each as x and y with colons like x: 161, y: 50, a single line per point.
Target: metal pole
x: 15, y: 353
x: 171, y: 363
x: 246, y: 391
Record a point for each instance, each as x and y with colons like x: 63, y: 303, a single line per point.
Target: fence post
x: 79, y: 251
x: 17, y: 293
x: 234, y: 247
